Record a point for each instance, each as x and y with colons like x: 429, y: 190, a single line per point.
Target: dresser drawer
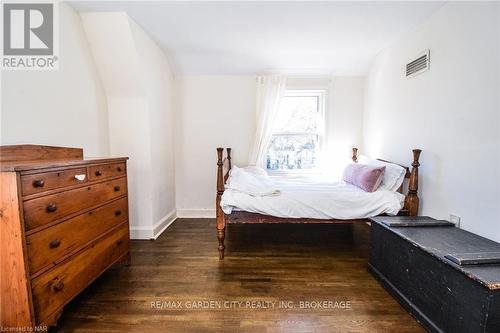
x: 98, y: 172
x: 41, y: 182
x: 40, y: 211
x: 59, y: 285
x: 51, y: 244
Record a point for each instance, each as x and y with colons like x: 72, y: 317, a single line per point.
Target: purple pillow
x: 366, y: 177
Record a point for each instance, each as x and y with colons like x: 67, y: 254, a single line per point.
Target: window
x: 297, y: 137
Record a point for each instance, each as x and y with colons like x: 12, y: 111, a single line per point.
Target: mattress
x: 315, y: 197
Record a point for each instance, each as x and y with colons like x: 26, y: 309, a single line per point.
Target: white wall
x: 451, y: 112
x: 218, y: 111
x: 213, y: 111
x: 138, y: 84
x: 344, y: 120
x: 159, y: 85
x: 66, y: 107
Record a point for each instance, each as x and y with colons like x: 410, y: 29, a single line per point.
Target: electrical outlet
x: 455, y: 219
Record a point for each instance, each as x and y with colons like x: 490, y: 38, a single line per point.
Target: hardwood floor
x: 264, y: 263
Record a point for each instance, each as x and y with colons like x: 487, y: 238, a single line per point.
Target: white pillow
x: 394, y: 174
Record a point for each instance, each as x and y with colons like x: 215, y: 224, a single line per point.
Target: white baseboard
x: 141, y: 232
x: 164, y: 223
x: 153, y: 232
x: 196, y: 213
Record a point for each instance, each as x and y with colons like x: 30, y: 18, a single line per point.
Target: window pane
x: 298, y: 114
x: 292, y: 152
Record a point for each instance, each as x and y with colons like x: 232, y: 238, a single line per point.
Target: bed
x: 311, y: 200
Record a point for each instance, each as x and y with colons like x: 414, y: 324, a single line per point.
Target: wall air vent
x: 419, y: 65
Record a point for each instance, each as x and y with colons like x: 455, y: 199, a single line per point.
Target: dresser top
x: 46, y: 164
x: 32, y: 157
x: 440, y: 241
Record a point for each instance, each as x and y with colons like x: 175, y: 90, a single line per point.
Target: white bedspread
x: 315, y: 198
x: 251, y: 180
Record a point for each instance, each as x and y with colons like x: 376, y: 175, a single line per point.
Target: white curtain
x: 270, y: 90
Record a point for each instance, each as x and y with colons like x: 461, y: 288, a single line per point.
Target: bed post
x: 412, y: 201
x: 355, y: 155
x: 221, y: 223
x: 228, y: 157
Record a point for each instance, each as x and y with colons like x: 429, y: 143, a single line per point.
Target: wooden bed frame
x: 410, y: 207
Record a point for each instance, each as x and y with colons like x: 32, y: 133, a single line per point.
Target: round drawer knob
x: 55, y: 243
x: 98, y: 173
x: 118, y: 212
x: 52, y: 207
x: 117, y: 188
x: 119, y: 169
x: 38, y: 183
x: 57, y: 285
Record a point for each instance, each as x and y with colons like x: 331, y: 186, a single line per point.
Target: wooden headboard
x: 411, y: 197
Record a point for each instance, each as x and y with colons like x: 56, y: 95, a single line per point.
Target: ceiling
x: 231, y: 38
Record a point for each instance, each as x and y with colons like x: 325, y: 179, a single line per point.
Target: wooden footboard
x: 410, y: 208
x: 223, y: 168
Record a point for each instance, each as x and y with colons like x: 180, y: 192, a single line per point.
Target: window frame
x: 320, y: 132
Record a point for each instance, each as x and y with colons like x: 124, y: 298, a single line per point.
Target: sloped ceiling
x: 230, y: 38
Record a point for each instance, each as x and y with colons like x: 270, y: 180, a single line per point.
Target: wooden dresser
x: 63, y: 222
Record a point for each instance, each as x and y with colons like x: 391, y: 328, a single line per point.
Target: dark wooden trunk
x: 443, y: 296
